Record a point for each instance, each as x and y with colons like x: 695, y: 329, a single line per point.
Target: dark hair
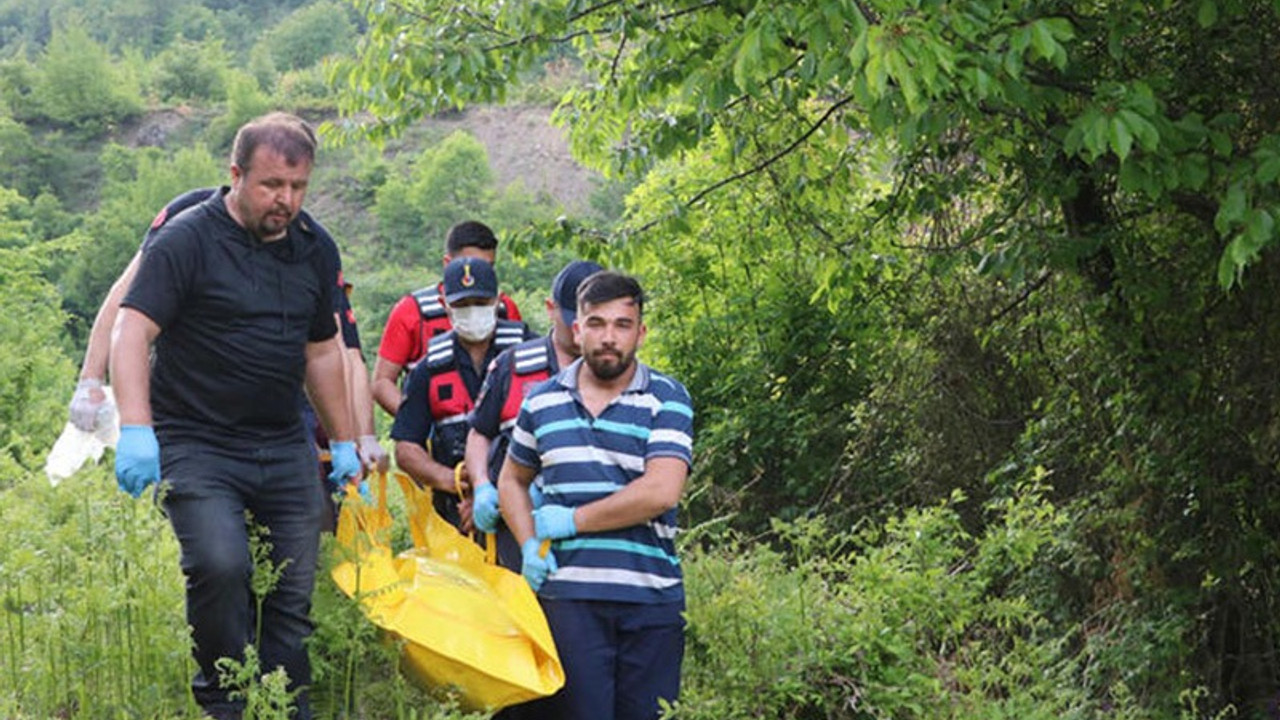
x: 607, y: 285
x: 469, y: 233
x: 286, y: 134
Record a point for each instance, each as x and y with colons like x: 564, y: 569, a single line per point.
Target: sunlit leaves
x: 1037, y: 93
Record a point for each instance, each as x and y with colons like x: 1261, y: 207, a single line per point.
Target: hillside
x: 521, y: 142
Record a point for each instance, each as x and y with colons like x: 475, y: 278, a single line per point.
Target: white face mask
x: 474, y: 323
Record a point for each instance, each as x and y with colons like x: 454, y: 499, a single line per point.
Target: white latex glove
x: 90, y: 406
x: 371, y: 453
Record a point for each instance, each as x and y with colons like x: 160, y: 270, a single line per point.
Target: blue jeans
x: 210, y: 490
x: 618, y: 658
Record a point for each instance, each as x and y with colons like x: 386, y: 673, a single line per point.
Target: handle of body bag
x: 490, y: 539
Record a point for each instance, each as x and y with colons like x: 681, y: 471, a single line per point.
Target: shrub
x: 309, y: 35
x: 77, y: 85
x: 914, y: 620
x: 189, y: 70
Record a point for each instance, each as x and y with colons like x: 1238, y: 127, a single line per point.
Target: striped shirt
x: 584, y: 458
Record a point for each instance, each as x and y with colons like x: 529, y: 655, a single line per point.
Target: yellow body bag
x: 465, y: 622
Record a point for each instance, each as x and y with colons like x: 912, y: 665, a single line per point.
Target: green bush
x: 78, y: 86
x: 302, y: 88
x: 35, y: 376
x: 445, y: 184
x: 245, y: 101
x: 192, y: 71
x: 912, y: 620
x: 309, y: 35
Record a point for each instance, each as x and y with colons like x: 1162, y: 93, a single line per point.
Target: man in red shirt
x: 421, y: 315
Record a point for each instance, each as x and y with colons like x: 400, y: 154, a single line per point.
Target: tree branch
x: 1027, y: 292
x: 763, y: 163
x: 617, y: 58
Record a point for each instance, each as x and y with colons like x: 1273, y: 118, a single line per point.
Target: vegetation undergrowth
x: 916, y: 618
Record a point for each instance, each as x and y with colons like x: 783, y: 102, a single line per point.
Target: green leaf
x: 1060, y: 27
x: 983, y: 83
x: 858, y: 53
x: 1207, y: 15
x: 901, y: 71
x: 1231, y: 211
x: 877, y: 75
x: 1268, y: 166
x: 1228, y: 272
x: 1194, y: 171
x: 1221, y: 143
x: 1121, y: 140
x: 1043, y: 42
x: 1146, y: 133
x: 1260, y: 229
x: 1095, y: 135
x: 1021, y: 39
x: 747, y: 61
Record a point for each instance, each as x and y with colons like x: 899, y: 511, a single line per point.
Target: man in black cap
x: 442, y: 388
x: 512, y: 374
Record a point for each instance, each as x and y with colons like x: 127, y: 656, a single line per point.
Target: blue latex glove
x: 346, y: 466
x: 535, y: 569
x: 535, y: 495
x: 554, y: 522
x: 137, y: 458
x: 485, y: 508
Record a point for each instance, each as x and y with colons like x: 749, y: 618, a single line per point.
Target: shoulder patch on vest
x: 429, y: 305
x: 531, y: 359
x: 508, y: 333
x: 439, y: 352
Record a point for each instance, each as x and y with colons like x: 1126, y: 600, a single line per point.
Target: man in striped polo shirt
x: 613, y: 440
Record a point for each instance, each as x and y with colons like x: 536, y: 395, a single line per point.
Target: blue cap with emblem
x: 468, y: 277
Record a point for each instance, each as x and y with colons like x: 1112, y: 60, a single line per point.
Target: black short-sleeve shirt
x: 341, y: 300
x: 235, y: 316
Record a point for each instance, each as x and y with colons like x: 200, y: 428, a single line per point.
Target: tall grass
x: 913, y: 619
x: 95, y: 627
x: 94, y: 624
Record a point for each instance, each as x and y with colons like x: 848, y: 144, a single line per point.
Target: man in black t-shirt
x: 89, y: 407
x: 236, y: 297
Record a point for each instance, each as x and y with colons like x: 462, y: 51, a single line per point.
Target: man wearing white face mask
x: 442, y: 388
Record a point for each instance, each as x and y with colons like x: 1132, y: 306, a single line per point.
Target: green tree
x: 1012, y: 224
x: 245, y: 101
x: 17, y: 84
x: 447, y: 183
x: 31, y: 361
x: 78, y: 86
x: 138, y: 184
x: 189, y: 70
x: 309, y: 35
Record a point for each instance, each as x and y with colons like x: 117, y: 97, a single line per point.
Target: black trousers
x: 210, y: 491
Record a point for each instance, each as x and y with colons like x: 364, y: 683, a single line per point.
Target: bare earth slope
x: 523, y: 145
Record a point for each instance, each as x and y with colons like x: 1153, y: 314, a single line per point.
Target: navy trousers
x: 210, y: 491
x: 618, y: 658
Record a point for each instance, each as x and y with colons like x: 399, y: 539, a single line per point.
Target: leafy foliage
x: 78, y: 85
x: 309, y: 35
x: 916, y: 620
x: 447, y: 183
x: 898, y: 247
x: 32, y: 366
x: 189, y: 70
